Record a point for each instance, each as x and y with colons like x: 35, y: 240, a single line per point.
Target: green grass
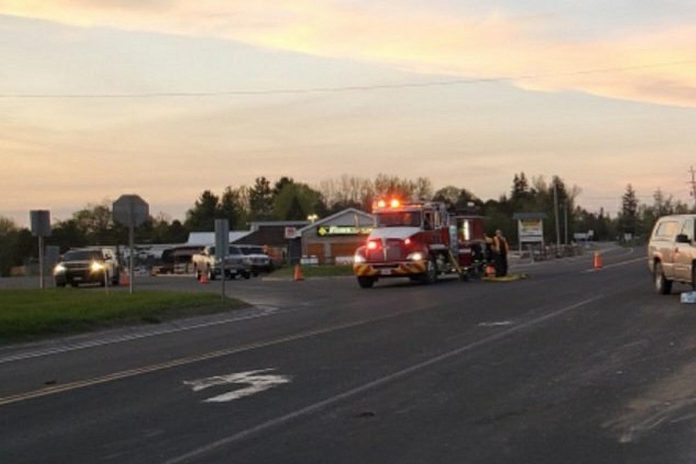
x: 315, y: 271
x: 30, y: 314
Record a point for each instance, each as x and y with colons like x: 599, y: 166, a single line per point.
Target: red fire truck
x: 420, y: 241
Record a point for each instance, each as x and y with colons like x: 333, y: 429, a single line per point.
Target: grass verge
x: 31, y: 314
x: 314, y: 271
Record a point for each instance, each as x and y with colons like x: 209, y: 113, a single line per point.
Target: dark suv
x: 87, y: 266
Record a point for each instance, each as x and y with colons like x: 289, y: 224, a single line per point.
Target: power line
x: 348, y: 88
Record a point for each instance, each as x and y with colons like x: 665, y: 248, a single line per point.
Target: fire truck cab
x: 420, y: 241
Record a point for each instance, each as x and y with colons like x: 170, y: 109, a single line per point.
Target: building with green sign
x: 336, y: 237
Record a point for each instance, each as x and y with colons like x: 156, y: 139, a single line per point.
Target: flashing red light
x: 381, y: 204
x: 407, y: 241
x: 372, y: 245
x: 395, y: 203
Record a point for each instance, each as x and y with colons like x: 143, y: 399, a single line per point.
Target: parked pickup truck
x: 236, y: 264
x: 260, y: 261
x: 672, y: 252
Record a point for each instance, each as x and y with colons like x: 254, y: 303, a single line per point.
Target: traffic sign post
x: 41, y: 227
x: 131, y: 211
x: 222, y: 245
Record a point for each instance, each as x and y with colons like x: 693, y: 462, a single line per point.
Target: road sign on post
x: 222, y: 246
x: 131, y: 211
x: 41, y: 228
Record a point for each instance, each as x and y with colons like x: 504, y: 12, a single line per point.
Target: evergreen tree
x: 295, y: 211
x: 202, y: 216
x: 629, y: 211
x: 177, y: 232
x: 230, y: 207
x: 261, y: 199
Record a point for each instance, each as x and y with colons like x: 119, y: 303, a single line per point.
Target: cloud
x: 428, y: 41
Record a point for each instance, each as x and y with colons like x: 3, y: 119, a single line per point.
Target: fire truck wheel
x: 430, y: 276
x: 366, y: 282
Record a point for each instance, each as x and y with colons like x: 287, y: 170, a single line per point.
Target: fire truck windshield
x: 399, y: 219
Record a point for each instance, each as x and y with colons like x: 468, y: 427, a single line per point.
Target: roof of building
x: 258, y: 224
x: 208, y: 238
x: 335, y: 216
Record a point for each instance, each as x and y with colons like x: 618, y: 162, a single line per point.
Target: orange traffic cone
x: 298, y: 273
x: 490, y: 271
x: 597, y: 261
x: 203, y: 278
x: 124, y: 279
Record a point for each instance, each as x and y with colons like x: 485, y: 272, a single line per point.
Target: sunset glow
x: 600, y: 95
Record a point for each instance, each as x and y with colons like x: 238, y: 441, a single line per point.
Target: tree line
x: 288, y: 199
x: 637, y: 219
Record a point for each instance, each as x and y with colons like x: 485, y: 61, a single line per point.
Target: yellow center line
x: 52, y: 390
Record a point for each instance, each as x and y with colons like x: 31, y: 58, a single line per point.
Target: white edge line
x: 192, y: 359
x: 126, y: 338
x: 370, y: 385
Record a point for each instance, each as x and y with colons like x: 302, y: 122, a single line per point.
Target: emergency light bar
x: 393, y: 203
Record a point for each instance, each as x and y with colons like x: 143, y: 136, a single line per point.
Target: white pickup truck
x: 236, y: 264
x: 672, y: 252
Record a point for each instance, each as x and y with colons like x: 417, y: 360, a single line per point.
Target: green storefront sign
x: 328, y: 231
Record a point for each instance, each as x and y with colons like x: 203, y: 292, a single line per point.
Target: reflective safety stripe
x: 401, y: 269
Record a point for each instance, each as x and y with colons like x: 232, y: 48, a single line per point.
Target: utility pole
x: 555, y: 210
x: 565, y: 220
x: 693, y: 184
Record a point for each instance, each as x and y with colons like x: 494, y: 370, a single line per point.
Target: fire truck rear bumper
x: 399, y: 269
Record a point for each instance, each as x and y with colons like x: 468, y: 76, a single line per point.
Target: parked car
x: 87, y: 266
x: 672, y: 252
x: 177, y: 260
x: 236, y: 264
x: 260, y: 261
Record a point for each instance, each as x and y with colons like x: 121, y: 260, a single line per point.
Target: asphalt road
x: 569, y: 366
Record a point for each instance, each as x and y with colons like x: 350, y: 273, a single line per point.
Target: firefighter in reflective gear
x: 500, y: 249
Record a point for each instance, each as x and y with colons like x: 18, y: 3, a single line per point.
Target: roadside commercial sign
x: 531, y: 230
x: 290, y: 233
x: 325, y: 231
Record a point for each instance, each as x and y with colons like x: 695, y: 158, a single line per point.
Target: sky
x: 166, y: 98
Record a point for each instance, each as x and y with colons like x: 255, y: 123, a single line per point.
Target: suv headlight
x: 96, y: 266
x: 416, y: 256
x: 59, y: 269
